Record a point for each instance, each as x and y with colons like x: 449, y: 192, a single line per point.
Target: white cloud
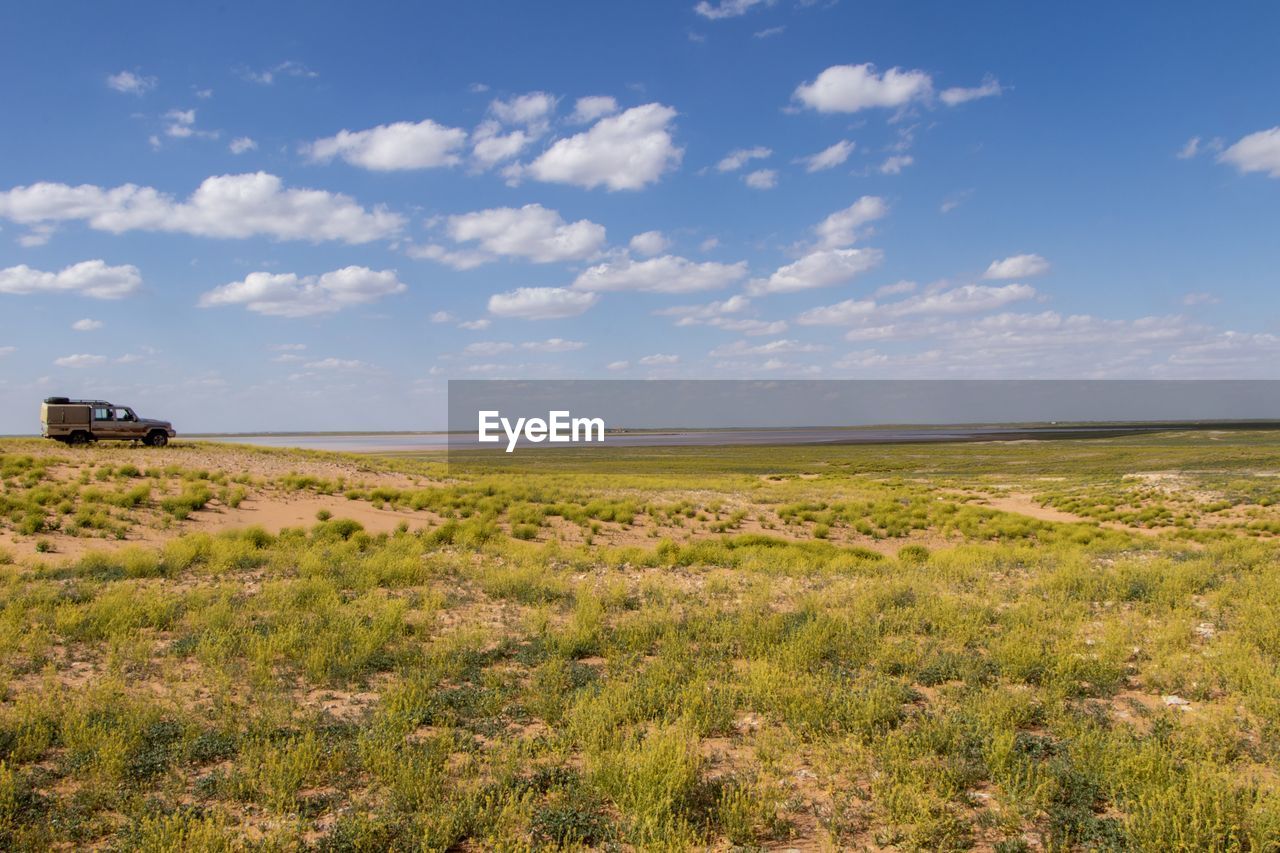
x: 664, y: 274
x: 490, y: 146
x: 443, y: 317
x: 1200, y: 298
x: 87, y: 278
x: 181, y: 123
x: 829, y: 157
x: 487, y: 349
x: 896, y: 288
x: 728, y: 8
x: 389, y: 147
x: 541, y: 303
x: 80, y: 360
x: 336, y: 364
x: 288, y: 68
x: 478, y: 325
x: 531, y: 232
x: 896, y: 163
x: 130, y: 83
x: 1017, y: 266
x: 228, y: 206
x: 957, y: 95
x: 772, y: 348
x: 553, y: 345
x: 622, y: 152
x: 844, y: 227
x: 740, y: 157
x: 659, y: 359
x: 709, y: 244
x: 7, y: 350
x: 241, y: 144
x: 769, y: 32
x: 531, y: 110
x: 699, y: 313
x: 649, y: 243
x: 965, y: 299
x: 1257, y: 152
x: 86, y: 325
x: 617, y: 365
x: 289, y: 347
x: 850, y: 88
x: 822, y: 268
x: 592, y: 107
x: 291, y: 295
x: 762, y: 179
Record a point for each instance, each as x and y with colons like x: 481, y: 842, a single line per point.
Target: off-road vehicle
x: 83, y: 421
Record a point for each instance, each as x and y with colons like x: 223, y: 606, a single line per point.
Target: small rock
x: 1175, y: 701
x: 1205, y: 630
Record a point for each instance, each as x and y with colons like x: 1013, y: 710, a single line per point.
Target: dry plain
x: 1001, y: 646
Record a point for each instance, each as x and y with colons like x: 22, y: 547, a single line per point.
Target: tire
x: 157, y: 439
x: 79, y: 438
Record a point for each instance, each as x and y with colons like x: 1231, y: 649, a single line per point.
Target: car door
x: 104, y: 424
x: 127, y: 425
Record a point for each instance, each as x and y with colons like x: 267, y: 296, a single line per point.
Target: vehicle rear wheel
x: 79, y: 438
x: 157, y: 439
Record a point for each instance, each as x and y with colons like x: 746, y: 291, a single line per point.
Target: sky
x: 311, y: 215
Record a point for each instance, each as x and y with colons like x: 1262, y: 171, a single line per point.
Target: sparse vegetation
x: 849, y: 647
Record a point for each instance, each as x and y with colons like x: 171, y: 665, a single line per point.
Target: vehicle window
x: 101, y: 414
x: 123, y: 415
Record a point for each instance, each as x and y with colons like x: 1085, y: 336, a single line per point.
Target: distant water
x: 409, y: 442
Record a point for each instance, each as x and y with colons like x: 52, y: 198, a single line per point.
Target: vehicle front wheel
x: 157, y: 439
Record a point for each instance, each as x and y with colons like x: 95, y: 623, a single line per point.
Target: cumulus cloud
x: 957, y: 95
x: 845, y: 227
x: 1200, y: 298
x: 649, y: 243
x: 443, y: 317
x: 336, y: 364
x: 965, y: 299
x: 288, y: 68
x: 291, y: 295
x: 477, y: 325
x: 86, y: 325
x: 664, y: 274
x: 80, y: 360
x: 532, y: 232
x: 772, y: 348
x: 227, y: 206
x: 530, y: 110
x: 829, y: 157
x: 659, y: 359
x: 1017, y: 266
x: 553, y: 345
x: 728, y: 8
x: 851, y: 88
x: 390, y: 147
x: 1257, y: 152
x: 617, y: 365
x: 761, y: 179
x: 724, y: 315
x: 822, y: 268
x: 894, y: 164
x: 87, y: 278
x: 592, y: 107
x: 487, y: 349
x: 740, y: 157
x: 490, y: 146
x: 130, y: 83
x: 621, y: 152
x: 241, y: 144
x: 541, y: 303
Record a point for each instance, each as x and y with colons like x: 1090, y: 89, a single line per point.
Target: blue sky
x: 311, y: 215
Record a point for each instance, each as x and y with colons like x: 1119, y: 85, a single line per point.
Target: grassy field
x: 1005, y: 646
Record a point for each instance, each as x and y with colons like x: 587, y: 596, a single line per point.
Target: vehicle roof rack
x: 67, y: 401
